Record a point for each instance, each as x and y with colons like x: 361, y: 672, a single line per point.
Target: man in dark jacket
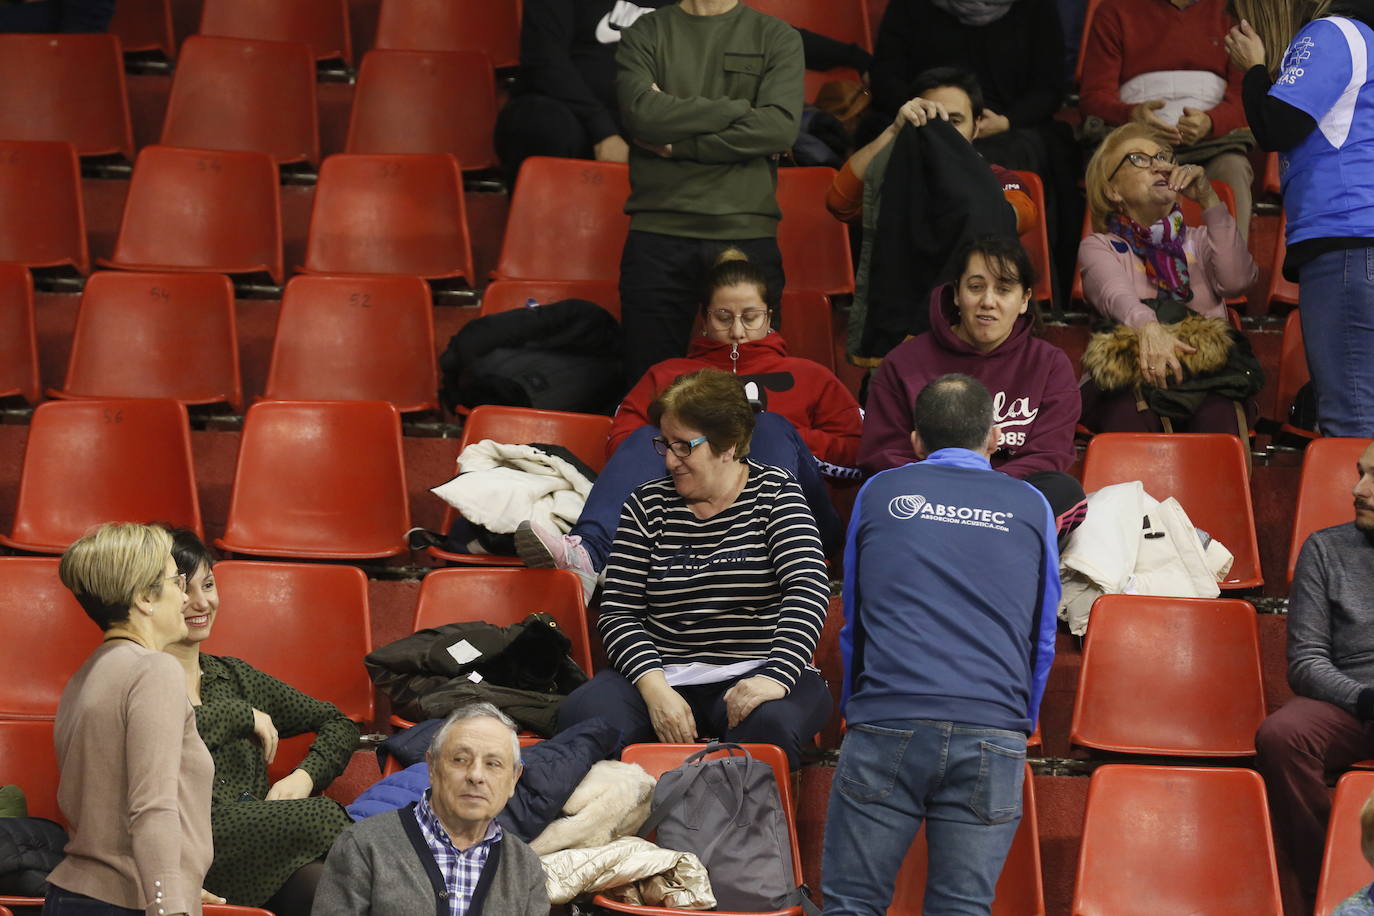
x: 446, y: 853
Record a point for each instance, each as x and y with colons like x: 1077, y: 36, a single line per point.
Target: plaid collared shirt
x: 461, y: 869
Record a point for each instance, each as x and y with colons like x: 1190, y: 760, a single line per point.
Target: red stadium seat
x: 582, y: 434
x: 215, y: 211
x: 1036, y: 240
x: 1324, y: 497
x: 1088, y: 11
x: 503, y: 597
x: 1020, y: 890
x: 815, y: 245
x: 68, y: 88
x: 1280, y: 290
x: 1170, y: 676
x: 243, y: 94
x: 322, y: 24
x: 156, y: 336
x: 807, y: 326
x: 42, y: 223
x: 1344, y: 868
x: 390, y: 214
x: 47, y: 637
x: 567, y: 221
x: 18, y: 339
x: 88, y: 462
x: 1293, y: 375
x: 1176, y: 840
x: 504, y: 295
x: 355, y: 339
x: 843, y: 20
x: 145, y: 25
x: 1205, y: 472
x: 657, y: 759
x: 1272, y: 180
x: 813, y: 80
x: 319, y: 480
x: 425, y: 102
x: 28, y: 760
x: 490, y: 26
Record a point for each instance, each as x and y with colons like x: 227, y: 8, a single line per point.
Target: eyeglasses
x: 680, y: 448
x: 1142, y: 161
x: 179, y: 579
x: 753, y: 319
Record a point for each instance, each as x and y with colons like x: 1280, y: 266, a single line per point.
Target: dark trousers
x: 61, y: 902
x: 537, y: 125
x: 1115, y: 412
x: 662, y: 285
x: 787, y: 722
x: 1298, y: 746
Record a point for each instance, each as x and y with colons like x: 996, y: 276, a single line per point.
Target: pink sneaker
x: 542, y: 548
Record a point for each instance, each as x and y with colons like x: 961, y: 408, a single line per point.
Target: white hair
x: 474, y: 711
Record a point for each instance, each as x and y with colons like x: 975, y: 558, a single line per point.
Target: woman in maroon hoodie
x: 982, y: 326
x: 809, y: 423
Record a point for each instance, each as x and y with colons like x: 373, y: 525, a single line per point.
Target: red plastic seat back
x: 1205, y: 472
x: 1344, y: 867
x: 216, y: 211
x: 28, y: 760
x: 1174, y: 676
x: 321, y: 480
x: 145, y: 25
x: 355, y: 339
x: 42, y: 222
x: 46, y: 637
x: 1036, y: 239
x: 390, y: 214
x: 1083, y: 38
x: 305, y: 624
x: 244, y: 94
x: 505, y: 295
x: 425, y: 102
x: 18, y: 339
x: 1020, y: 891
x: 843, y: 20
x: 490, y: 26
x: 506, y: 596
x: 1176, y: 840
x: 88, y: 462
x: 815, y: 245
x: 322, y: 24
x: 1280, y: 289
x: 1324, y: 497
x: 156, y: 336
x: 808, y: 326
x: 65, y: 87
x: 567, y: 221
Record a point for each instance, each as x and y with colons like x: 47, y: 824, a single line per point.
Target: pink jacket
x: 1219, y: 266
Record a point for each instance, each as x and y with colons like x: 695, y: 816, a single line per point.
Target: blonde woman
x: 135, y: 777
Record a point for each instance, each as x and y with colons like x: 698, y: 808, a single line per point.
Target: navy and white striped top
x: 748, y: 583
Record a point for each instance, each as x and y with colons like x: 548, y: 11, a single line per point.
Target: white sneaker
x: 541, y: 548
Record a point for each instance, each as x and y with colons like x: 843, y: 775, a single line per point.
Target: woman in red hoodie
x: 981, y: 326
x: 810, y: 422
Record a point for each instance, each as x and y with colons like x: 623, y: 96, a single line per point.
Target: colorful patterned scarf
x: 1160, y: 246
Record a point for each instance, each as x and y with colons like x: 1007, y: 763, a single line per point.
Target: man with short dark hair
x: 950, y: 590
x: 445, y: 853
x: 1330, y: 723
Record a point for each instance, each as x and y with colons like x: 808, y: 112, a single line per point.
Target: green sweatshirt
x: 731, y: 97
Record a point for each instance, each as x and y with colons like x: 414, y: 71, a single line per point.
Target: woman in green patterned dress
x: 270, y: 839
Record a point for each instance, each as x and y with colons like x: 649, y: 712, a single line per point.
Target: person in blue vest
x: 950, y: 590
x: 1317, y: 111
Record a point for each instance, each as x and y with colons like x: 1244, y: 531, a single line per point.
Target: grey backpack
x: 728, y: 813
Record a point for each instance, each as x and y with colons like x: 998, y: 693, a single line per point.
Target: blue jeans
x: 1337, y: 308
x: 965, y: 782
x: 635, y: 462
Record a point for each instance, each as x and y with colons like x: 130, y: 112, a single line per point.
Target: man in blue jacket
x: 950, y: 591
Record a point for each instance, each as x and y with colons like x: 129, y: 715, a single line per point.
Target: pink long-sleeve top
x: 1219, y: 266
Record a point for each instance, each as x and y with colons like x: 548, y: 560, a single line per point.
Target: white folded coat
x: 502, y: 485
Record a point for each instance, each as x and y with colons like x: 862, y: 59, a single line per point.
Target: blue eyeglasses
x: 680, y: 448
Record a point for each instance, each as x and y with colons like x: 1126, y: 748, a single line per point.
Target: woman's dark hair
x: 1006, y: 257
x: 189, y: 552
x: 733, y: 268
x: 937, y: 77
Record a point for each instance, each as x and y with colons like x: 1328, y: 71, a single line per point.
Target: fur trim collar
x: 1112, y: 357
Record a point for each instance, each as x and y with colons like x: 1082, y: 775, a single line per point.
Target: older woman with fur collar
x: 1142, y: 256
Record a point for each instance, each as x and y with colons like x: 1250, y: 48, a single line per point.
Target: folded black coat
x: 30, y: 847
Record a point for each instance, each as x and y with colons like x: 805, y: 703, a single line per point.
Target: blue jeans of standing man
x: 963, y: 781
x: 1337, y: 308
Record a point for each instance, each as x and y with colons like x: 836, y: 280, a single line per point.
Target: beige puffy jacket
x: 637, y: 870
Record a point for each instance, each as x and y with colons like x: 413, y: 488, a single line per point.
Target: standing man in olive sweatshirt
x: 710, y: 93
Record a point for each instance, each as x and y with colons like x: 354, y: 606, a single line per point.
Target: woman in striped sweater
x: 716, y: 589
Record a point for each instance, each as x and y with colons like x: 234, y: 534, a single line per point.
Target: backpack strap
x: 801, y: 896
x: 691, y: 773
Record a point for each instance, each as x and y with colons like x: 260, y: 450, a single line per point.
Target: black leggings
x: 297, y: 895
